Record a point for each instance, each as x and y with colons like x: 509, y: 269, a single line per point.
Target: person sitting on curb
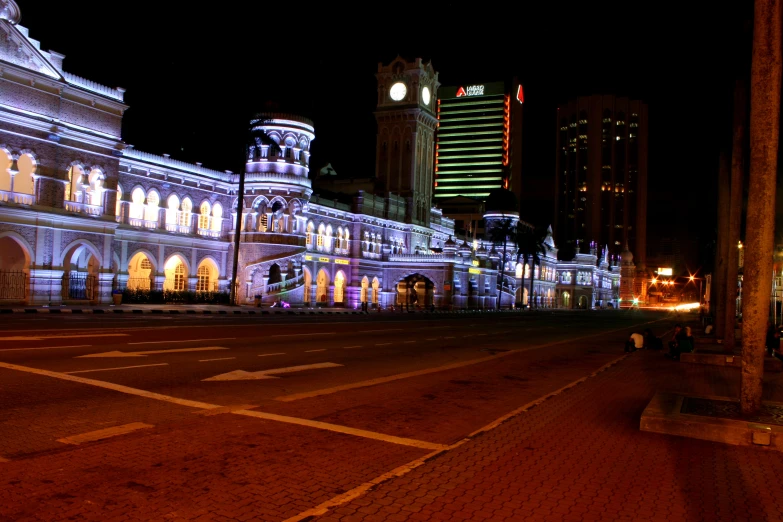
x: 634, y: 342
x: 683, y: 343
x: 651, y: 341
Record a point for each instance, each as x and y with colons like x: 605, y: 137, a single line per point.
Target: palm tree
x: 530, y: 243
x: 256, y: 136
x: 501, y: 232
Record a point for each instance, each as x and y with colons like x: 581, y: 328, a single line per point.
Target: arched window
x: 340, y: 237
x: 375, y: 288
x: 203, y: 273
x: 137, y: 203
x: 309, y: 234
x: 328, y: 239
x: 321, y: 232
x: 172, y: 208
x: 365, y: 288
x: 347, y: 239
x: 518, y: 272
x: 23, y: 181
x: 217, y: 217
x: 151, y: 211
x: 179, y: 277
x: 94, y: 194
x: 339, y: 287
x: 203, y: 218
x: 73, y: 190
x: 118, y: 205
x: 187, y: 211
x: 5, y: 174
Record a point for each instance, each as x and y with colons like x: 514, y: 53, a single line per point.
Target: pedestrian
x: 773, y: 338
x: 634, y: 342
x: 683, y: 342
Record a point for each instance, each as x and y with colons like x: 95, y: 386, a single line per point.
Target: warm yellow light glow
x: 691, y: 278
x: 685, y: 306
x: 654, y: 281
x: 739, y: 245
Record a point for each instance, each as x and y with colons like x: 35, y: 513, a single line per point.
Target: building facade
x: 601, y: 174
x: 83, y: 214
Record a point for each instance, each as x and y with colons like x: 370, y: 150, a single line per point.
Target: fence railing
x: 83, y: 208
x: 80, y: 285
x: 13, y: 284
x: 16, y: 197
x: 138, y: 283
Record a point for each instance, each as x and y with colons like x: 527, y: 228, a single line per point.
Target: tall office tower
x: 479, y: 139
x: 601, y: 174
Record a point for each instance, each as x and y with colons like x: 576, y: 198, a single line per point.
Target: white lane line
x: 45, y: 348
x: 221, y: 359
x: 302, y: 334
x: 104, y: 433
x: 119, y: 368
x: 242, y: 375
x: 268, y: 354
x: 351, y: 347
x: 319, y: 350
x: 47, y: 337
x: 376, y: 331
x: 185, y: 341
x: 116, y: 353
x: 343, y: 429
x: 207, y: 406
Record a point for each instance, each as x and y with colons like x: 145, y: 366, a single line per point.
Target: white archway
x: 339, y: 287
x: 308, y: 283
x: 322, y: 289
x: 207, y: 276
x: 141, y: 271
x: 176, y: 271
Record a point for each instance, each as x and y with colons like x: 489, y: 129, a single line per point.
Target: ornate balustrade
x: 83, y: 208
x: 417, y: 258
x: 208, y: 232
x: 16, y: 197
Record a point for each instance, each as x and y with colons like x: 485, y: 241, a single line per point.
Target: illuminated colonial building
x: 82, y: 213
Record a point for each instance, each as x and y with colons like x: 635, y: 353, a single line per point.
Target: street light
x: 691, y: 279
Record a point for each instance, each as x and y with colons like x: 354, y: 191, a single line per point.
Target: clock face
x: 425, y: 95
x: 398, y: 91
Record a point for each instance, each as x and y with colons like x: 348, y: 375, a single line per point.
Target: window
x: 118, y: 205
x: 137, y: 203
x: 187, y: 209
x: 203, y: 218
x: 217, y: 217
x: 179, y: 278
x: 172, y: 207
x: 151, y: 211
x: 145, y: 264
x: 202, y: 285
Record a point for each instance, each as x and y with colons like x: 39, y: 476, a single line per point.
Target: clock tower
x: 405, y: 149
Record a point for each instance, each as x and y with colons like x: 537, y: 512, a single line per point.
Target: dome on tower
x: 10, y: 11
x: 626, y: 255
x: 501, y: 200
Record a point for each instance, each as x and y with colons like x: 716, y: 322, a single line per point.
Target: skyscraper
x: 601, y: 174
x: 478, y: 140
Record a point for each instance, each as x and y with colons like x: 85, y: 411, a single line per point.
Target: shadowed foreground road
x: 246, y: 418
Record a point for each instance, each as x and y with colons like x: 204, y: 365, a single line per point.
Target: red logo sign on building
x: 461, y: 92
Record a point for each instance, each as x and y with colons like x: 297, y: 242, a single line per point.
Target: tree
x: 256, y: 136
x: 765, y: 85
x: 530, y: 243
x: 501, y: 232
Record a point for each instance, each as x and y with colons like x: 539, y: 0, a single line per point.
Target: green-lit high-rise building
x: 478, y: 141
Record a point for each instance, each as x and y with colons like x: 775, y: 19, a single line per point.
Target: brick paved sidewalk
x: 581, y: 457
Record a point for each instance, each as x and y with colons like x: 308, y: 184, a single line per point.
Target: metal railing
x: 80, y: 285
x: 13, y: 284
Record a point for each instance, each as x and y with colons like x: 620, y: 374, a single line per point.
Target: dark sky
x: 194, y: 75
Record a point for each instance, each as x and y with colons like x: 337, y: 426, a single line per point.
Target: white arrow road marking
x: 186, y: 341
x: 150, y: 352
x: 120, y: 368
x: 242, y: 375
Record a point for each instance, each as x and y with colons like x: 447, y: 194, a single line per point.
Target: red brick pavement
x: 580, y: 456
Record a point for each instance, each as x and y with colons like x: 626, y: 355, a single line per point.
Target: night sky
x: 195, y: 75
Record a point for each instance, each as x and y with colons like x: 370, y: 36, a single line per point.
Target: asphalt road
x: 371, y: 391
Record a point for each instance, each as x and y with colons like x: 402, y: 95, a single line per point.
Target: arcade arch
x: 322, y: 287
x: 14, y: 268
x: 365, y: 289
x: 80, y: 272
x: 275, y: 275
x: 376, y: 285
x: 176, y: 272
x: 566, y: 299
x: 141, y: 272
x: 339, y: 288
x: 207, y: 276
x: 415, y: 290
x: 308, y: 283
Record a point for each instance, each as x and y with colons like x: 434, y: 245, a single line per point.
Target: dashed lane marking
x: 318, y: 350
x: 104, y: 433
x: 431, y: 339
x: 225, y: 409
x: 382, y: 344
x: 408, y: 342
x: 45, y: 348
x: 351, y: 347
x: 386, y: 330
x: 119, y: 368
x: 185, y: 341
x: 220, y: 359
x: 206, y: 406
x: 47, y: 337
x: 270, y: 354
x: 449, y: 337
